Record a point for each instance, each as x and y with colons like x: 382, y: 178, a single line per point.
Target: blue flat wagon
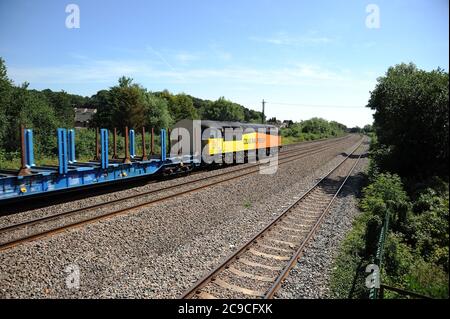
x: 33, y: 180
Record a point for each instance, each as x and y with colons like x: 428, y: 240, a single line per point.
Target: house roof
x: 84, y: 114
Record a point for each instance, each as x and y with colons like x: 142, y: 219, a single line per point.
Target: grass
x: 286, y: 140
x: 247, y: 204
x: 348, y: 276
x: 85, y: 148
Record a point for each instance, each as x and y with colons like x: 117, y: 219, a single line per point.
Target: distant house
x: 287, y: 123
x: 83, y: 116
x: 276, y: 122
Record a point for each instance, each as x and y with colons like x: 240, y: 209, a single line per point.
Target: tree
x: 5, y: 97
x: 355, y: 129
x: 31, y: 109
x: 181, y: 107
x: 273, y: 120
x: 367, y: 129
x: 288, y: 123
x: 123, y: 105
x: 223, y: 110
x: 21, y: 106
x: 315, y: 126
x: 128, y: 101
x: 104, y: 116
x: 157, y: 112
x: 252, y: 116
x: 411, y: 120
x: 63, y: 104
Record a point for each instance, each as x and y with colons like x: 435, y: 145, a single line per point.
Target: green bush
x: 411, y: 120
x: 348, y: 275
x: 416, y: 248
x: 310, y: 130
x: 430, y: 227
x: 428, y: 279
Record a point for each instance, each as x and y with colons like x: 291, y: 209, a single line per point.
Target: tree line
x: 407, y: 183
x: 130, y: 104
x: 125, y: 104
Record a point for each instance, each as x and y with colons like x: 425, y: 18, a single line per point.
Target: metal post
x: 194, y: 139
x: 263, y: 111
x: 62, y: 151
x: 24, y: 170
x: 29, y: 148
x: 152, y: 142
x: 180, y: 150
x: 104, y: 141
x: 169, y: 142
x: 126, y: 160
x: 71, y: 140
x: 97, y: 146
x: 374, y: 292
x: 144, y: 155
x: 163, y: 144
x: 115, y: 144
x: 132, y: 144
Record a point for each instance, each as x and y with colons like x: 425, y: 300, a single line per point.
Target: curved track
x: 258, y: 268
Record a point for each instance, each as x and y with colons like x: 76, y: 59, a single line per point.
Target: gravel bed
x: 80, y: 216
x: 161, y: 250
x: 310, y: 277
x: 82, y: 203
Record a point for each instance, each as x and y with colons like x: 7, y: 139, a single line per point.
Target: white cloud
x: 160, y: 56
x: 156, y: 70
x: 282, y: 38
x: 296, y: 83
x: 185, y: 58
x: 220, y: 53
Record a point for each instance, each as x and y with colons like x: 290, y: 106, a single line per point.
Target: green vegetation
x: 313, y: 129
x: 411, y: 121
x: 247, y: 203
x: 223, y: 110
x: 43, y: 111
x: 125, y: 104
x: 411, y: 126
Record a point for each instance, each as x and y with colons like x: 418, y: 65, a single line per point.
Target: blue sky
x: 306, y: 58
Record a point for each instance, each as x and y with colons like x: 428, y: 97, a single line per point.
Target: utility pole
x: 263, y: 107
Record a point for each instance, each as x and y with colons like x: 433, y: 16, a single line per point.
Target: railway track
x: 258, y: 268
x: 15, y: 234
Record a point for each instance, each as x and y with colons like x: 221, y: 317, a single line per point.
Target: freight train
x: 32, y: 180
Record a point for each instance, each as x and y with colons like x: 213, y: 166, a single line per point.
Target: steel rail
x: 299, y: 253
x: 59, y: 229
x: 235, y: 256
x: 134, y: 196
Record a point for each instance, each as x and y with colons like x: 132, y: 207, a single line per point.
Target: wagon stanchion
x: 126, y: 160
x: 144, y: 155
x: 24, y: 169
x: 152, y: 141
x: 115, y: 144
x: 180, y: 150
x: 97, y: 145
x: 169, y: 141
